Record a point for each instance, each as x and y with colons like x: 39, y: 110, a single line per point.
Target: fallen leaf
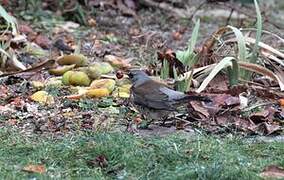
x: 103, y: 83
x: 102, y: 68
x: 92, y: 22
x: 177, y: 35
x: 60, y: 70
x: 272, y: 171
x: 281, y: 102
x: 43, y: 41
x: 35, y: 168
x: 37, y: 84
x: 259, y: 117
x: 117, y: 62
x: 76, y: 78
x: 78, y: 59
x: 198, y: 108
x: 101, y: 92
x: 69, y: 26
x: 265, y: 128
x: 42, y: 97
x: 25, y: 29
x: 3, y: 91
x: 122, y: 91
x: 232, y: 101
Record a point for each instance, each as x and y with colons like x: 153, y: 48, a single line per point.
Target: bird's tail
x: 196, y: 98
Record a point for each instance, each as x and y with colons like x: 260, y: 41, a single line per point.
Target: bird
x: 153, y: 99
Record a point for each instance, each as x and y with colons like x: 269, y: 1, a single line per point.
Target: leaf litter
x: 101, y: 59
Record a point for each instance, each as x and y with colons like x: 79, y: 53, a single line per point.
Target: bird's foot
x: 166, y: 123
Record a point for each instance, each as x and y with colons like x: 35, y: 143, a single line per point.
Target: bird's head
x: 138, y: 76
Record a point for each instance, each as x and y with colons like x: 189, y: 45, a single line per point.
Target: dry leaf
x: 281, y: 102
x: 273, y: 171
x: 43, y: 41
x: 265, y: 128
x: 78, y: 59
x: 103, y: 83
x: 35, y: 168
x: 259, y: 117
x: 42, y: 97
x: 200, y: 109
x: 122, y: 91
x: 102, y: 92
x: 117, y: 62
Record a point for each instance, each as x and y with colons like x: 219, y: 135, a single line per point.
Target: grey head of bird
x: 138, y: 77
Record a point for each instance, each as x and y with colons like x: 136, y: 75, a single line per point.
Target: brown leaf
x: 177, y: 35
x: 35, y: 168
x: 197, y: 107
x: 224, y: 120
x: 272, y: 171
x: 265, y: 128
x: 3, y: 91
x: 259, y: 117
x: 281, y: 102
x: 26, y: 29
x: 224, y: 100
x: 43, y: 41
x: 243, y: 124
x: 220, y: 82
x: 117, y: 62
x: 170, y: 56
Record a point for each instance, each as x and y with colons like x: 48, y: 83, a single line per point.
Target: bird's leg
x: 164, y: 121
x: 174, y: 115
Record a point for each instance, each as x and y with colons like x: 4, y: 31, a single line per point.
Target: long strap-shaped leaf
x: 263, y: 71
x: 226, y: 62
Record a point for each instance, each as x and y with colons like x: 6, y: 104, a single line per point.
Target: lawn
x: 125, y: 156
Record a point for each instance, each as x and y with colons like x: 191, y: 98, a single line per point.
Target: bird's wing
x: 150, y: 95
x: 172, y: 94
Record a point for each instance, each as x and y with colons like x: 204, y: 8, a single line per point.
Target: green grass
x: 130, y: 157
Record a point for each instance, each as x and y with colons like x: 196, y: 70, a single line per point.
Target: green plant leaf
x: 165, y: 70
x: 241, y: 43
x: 188, y: 57
x: 10, y: 20
x: 258, y: 33
x: 242, y: 53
